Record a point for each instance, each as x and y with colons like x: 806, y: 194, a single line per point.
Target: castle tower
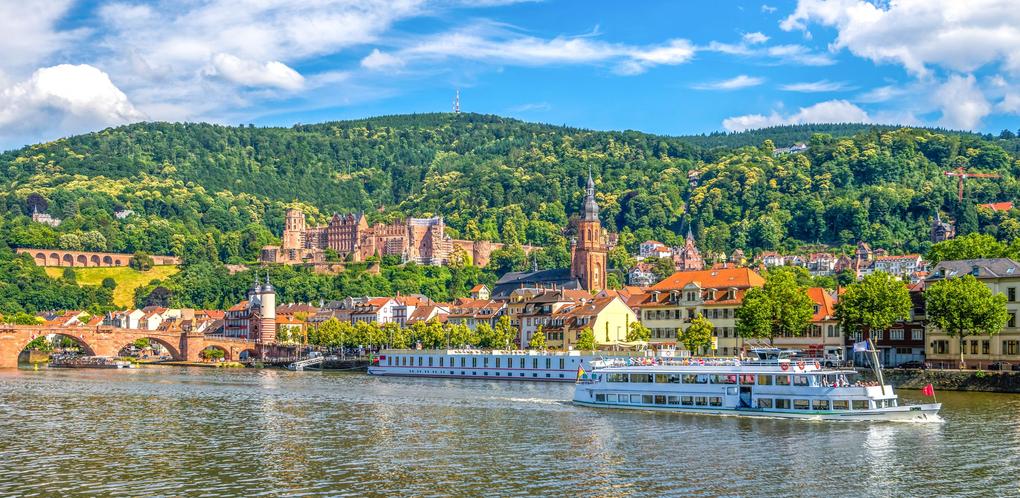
x: 689, y: 258
x: 294, y: 230
x: 588, y: 250
x: 267, y: 314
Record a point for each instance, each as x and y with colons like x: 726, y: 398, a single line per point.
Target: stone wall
x: 954, y: 380
x: 59, y: 257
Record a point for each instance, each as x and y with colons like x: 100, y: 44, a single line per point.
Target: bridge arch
x: 247, y: 354
x: 54, y: 259
x: 40, y: 259
x: 174, y: 349
x: 107, y: 261
x: 68, y: 260
x: 87, y: 348
x: 81, y: 260
x: 94, y: 260
x: 226, y: 352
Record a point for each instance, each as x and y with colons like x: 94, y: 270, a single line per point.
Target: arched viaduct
x: 59, y: 257
x: 108, y: 341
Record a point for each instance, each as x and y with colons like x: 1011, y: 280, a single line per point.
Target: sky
x: 670, y: 67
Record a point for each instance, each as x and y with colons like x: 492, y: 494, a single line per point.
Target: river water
x: 209, y: 432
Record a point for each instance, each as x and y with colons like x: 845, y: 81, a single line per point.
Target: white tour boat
x: 774, y: 384
x: 560, y: 366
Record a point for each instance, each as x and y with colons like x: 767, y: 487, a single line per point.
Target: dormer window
x: 975, y: 270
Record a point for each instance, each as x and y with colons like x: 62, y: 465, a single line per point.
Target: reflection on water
x: 176, y: 431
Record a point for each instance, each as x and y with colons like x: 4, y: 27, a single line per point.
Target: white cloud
x: 958, y: 35
x: 881, y: 94
x: 800, y: 54
x: 831, y: 111
x: 815, y: 86
x: 1009, y: 104
x: 31, y: 35
x: 768, y: 9
x: 754, y: 38
x: 490, y: 44
x: 741, y: 81
x: 962, y: 102
x: 381, y: 60
x: 530, y: 107
x: 62, y: 100
x: 256, y: 74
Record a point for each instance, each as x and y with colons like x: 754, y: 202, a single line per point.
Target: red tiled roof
x: 826, y: 305
x: 997, y: 206
x: 477, y: 288
x: 711, y: 279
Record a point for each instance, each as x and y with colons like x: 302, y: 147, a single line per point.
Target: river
x: 212, y: 432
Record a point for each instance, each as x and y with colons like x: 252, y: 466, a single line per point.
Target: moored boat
x: 90, y: 362
x: 555, y: 366
x: 773, y: 384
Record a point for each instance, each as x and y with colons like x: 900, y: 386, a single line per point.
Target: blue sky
x: 664, y: 67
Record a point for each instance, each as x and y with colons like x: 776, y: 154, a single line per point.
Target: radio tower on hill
x: 456, y: 102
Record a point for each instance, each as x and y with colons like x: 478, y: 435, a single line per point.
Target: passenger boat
x: 555, y: 366
x: 773, y: 384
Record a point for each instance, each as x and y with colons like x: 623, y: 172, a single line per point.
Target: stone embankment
x: 954, y: 380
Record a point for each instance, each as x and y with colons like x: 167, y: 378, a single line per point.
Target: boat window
x: 687, y: 400
x: 497, y: 362
x: 782, y: 380
x: 674, y: 400
x: 441, y: 358
x: 723, y: 379
x: 747, y: 379
x: 661, y: 379
x: 893, y: 402
x: 641, y: 378
x: 800, y: 380
x: 840, y: 404
x: 534, y: 363
x: 715, y: 401
x: 430, y: 361
x: 522, y: 363
x: 601, y: 398
x: 860, y: 404
x: 403, y: 361
x: 660, y: 399
x: 882, y: 403
x: 635, y: 399
x: 474, y: 362
x: 764, y: 380
x: 782, y: 404
x: 700, y: 401
x: 548, y: 363
x: 646, y: 399
x: 485, y: 362
x: 820, y: 404
x: 561, y: 363
x: 674, y: 378
x: 463, y: 361
x: 617, y: 377
x: 764, y: 402
x: 695, y: 379
x: 610, y: 398
x: 801, y: 404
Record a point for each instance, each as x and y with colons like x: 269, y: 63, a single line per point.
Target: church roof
x: 559, y: 278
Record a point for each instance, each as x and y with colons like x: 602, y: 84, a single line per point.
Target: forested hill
x: 495, y: 178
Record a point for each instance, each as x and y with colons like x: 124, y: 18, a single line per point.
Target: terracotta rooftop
x: 711, y: 279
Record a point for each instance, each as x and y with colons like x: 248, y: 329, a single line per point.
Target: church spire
x: 591, y: 208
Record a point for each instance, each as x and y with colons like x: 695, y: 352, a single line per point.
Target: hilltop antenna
x: 456, y: 102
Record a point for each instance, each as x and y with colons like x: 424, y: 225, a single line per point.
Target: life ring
x: 800, y: 365
x: 818, y: 365
x: 784, y: 366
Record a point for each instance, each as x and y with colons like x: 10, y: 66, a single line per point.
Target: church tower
x: 588, y: 250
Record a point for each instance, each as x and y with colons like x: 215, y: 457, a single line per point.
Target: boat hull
x: 908, y: 413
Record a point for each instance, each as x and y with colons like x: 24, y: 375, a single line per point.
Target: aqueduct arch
x: 174, y: 349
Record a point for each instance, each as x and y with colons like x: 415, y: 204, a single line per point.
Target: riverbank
x: 954, y: 380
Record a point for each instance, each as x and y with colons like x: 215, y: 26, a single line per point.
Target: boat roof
x: 722, y: 369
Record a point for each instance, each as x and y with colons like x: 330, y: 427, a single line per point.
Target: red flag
x: 928, y: 391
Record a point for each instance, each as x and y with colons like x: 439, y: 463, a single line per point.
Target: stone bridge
x: 108, y: 341
x: 59, y: 257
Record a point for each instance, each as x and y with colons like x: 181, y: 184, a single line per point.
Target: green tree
x: 212, y: 354
x: 586, y: 340
x: 40, y: 344
x: 109, y: 283
x: 537, y: 339
x: 637, y: 332
x: 141, y: 261
x: 876, y: 302
x: 698, y: 336
x: 970, y: 246
x: 964, y: 306
x: 69, y: 275
x: 22, y: 318
x: 779, y: 308
x: 504, y: 334
x: 142, y: 343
